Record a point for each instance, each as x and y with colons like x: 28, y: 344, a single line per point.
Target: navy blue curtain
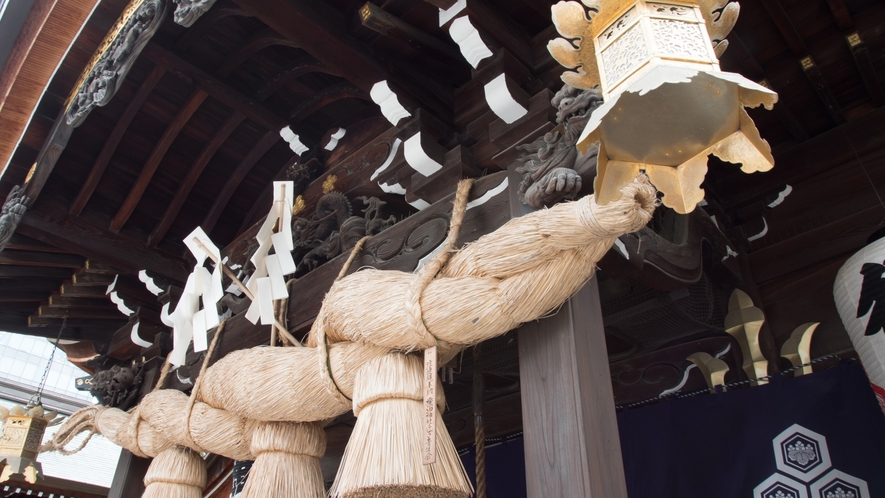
x: 820, y: 436
x: 505, y: 469
x: 814, y: 436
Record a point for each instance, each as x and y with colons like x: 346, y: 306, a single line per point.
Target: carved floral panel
x: 624, y: 55
x: 680, y: 39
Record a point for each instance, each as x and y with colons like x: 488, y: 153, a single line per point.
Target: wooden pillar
x: 128, y: 478
x: 571, y: 431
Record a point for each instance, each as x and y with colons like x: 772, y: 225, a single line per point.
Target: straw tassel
x: 175, y: 473
x: 287, y: 461
x: 383, y: 457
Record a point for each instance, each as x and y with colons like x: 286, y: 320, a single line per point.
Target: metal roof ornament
x: 667, y: 103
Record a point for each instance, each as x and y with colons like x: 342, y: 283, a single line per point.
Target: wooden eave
x: 49, y: 30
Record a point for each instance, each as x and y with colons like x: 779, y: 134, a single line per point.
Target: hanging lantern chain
x: 37, y: 398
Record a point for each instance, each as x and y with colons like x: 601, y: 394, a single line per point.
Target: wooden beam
x: 68, y: 289
x: 153, y: 162
x: 390, y: 26
x: 110, y: 313
x: 16, y: 296
x: 19, y: 241
x: 49, y: 222
x: 259, y: 41
x: 777, y: 14
x: 49, y: 153
x: 251, y: 108
x: 861, y: 53
x: 193, y: 175
x: 812, y: 72
x: 234, y: 180
x: 288, y: 76
x: 324, y: 97
x: 34, y: 272
x: 39, y: 285
x: 29, y: 258
x: 205, y: 23
x: 93, y: 266
x: 113, y: 140
x: 841, y: 13
x: 56, y: 300
x: 85, y: 279
x: 89, y: 323
x: 568, y: 411
x: 308, y: 25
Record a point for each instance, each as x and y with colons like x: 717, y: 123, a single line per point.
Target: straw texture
x: 521, y: 272
x: 287, y: 384
x: 213, y: 430
x: 175, y: 473
x: 383, y: 456
x: 287, y: 462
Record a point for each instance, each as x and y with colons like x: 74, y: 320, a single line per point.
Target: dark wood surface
x: 127, y: 481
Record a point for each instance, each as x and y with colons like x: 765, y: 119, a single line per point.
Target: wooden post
x: 571, y: 431
x: 128, y: 479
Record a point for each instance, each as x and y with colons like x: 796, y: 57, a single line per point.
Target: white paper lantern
x: 860, y: 298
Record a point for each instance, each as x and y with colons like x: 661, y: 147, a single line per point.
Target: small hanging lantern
x: 667, y: 104
x: 23, y: 430
x: 19, y: 445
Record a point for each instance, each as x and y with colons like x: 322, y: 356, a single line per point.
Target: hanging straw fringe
x: 175, y: 473
x: 287, y: 461
x: 383, y: 455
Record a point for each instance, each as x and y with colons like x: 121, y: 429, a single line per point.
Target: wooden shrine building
x: 126, y: 124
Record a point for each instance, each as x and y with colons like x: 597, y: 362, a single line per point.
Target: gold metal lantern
x: 19, y: 446
x: 667, y: 103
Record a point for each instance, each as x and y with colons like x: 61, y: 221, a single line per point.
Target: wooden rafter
x: 841, y: 13
x: 287, y: 76
x: 50, y: 222
x: 249, y: 107
x: 257, y: 42
x: 113, y: 140
x: 308, y: 25
x: 205, y: 23
x: 30, y: 258
x: 812, y: 72
x: 861, y: 54
x: 777, y: 13
x: 193, y: 175
x: 234, y: 180
x: 153, y: 162
x: 325, y: 97
x: 388, y: 25
x: 34, y: 272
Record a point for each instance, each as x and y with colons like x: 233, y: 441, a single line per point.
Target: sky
x: 22, y: 361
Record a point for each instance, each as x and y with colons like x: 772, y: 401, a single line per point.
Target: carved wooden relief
x: 188, y: 11
x: 551, y: 169
x: 13, y: 210
x: 114, y: 57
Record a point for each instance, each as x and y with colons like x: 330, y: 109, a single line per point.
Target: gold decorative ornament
x: 329, y: 184
x: 797, y: 349
x: 298, y: 205
x: 713, y: 369
x: 744, y: 322
x: 667, y: 103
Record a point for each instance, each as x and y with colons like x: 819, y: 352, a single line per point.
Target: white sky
x: 22, y: 360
